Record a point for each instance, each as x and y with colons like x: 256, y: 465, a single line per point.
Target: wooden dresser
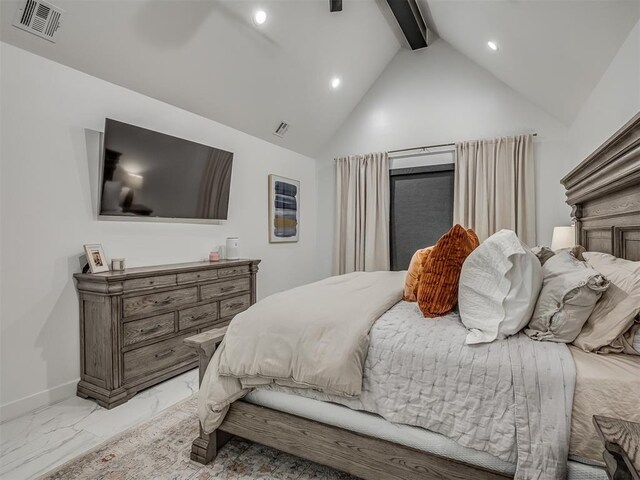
x: 133, y: 323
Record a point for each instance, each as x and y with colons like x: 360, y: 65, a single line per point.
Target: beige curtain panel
x: 362, y: 213
x: 495, y: 187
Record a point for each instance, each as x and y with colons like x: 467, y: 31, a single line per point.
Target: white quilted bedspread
x: 511, y: 398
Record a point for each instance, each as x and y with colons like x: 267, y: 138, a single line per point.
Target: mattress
x: 606, y: 385
x: 414, y: 437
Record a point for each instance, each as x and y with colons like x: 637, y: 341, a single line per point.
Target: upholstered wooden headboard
x: 604, y: 193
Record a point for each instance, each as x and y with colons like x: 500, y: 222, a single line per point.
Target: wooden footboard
x: 365, y: 457
x: 360, y: 455
x: 205, y: 447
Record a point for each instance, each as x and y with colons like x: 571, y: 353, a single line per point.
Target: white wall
x: 49, y: 156
x: 437, y: 95
x: 614, y: 101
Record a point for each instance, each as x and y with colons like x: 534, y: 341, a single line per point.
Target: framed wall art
x: 284, y: 209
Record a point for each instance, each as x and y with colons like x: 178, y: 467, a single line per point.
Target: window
x: 421, y: 209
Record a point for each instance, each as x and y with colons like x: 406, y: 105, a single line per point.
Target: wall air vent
x: 282, y: 129
x: 40, y: 18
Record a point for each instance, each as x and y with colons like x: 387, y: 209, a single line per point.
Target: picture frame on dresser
x: 96, y: 259
x: 133, y: 322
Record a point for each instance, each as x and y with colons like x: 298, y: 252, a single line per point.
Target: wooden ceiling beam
x: 410, y: 21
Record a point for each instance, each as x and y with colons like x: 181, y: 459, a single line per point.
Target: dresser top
x: 162, y: 269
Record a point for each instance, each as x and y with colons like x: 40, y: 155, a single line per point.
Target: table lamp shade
x: 563, y: 237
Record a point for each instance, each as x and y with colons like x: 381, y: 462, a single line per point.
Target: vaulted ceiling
x: 553, y: 52
x: 209, y: 57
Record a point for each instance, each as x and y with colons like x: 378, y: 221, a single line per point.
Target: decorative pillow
x: 543, y: 254
x: 438, y: 287
x: 570, y: 290
x: 499, y: 285
x: 577, y: 252
x: 412, y: 280
x: 615, y: 312
x: 630, y: 340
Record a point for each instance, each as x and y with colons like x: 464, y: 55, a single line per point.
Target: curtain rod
x: 433, y: 146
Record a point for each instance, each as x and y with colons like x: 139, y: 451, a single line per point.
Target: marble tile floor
x: 39, y: 441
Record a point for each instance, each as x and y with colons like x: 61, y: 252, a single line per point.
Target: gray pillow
x: 570, y: 290
x: 543, y: 254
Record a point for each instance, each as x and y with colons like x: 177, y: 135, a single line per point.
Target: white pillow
x: 499, y: 285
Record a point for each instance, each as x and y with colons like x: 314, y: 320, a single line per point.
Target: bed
x: 604, y: 193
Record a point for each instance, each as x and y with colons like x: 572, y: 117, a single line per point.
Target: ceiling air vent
x: 282, y: 129
x: 40, y: 18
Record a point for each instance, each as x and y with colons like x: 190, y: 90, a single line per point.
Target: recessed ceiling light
x: 492, y: 45
x: 335, y: 82
x: 260, y: 17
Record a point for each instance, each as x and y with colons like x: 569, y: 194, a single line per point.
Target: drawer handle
x: 234, y: 305
x: 195, y: 318
x: 150, y: 330
x: 166, y: 353
x: 166, y: 301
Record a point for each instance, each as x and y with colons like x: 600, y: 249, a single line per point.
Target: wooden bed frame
x: 604, y: 193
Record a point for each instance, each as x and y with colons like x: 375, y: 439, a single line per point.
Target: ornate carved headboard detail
x: 604, y: 193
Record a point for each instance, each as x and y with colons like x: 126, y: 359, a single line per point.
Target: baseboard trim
x: 19, y: 407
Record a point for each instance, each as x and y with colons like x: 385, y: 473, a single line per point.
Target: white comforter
x: 314, y: 336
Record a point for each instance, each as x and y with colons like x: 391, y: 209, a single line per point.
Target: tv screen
x: 150, y: 174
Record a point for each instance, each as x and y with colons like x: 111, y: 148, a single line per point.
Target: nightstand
x: 622, y: 447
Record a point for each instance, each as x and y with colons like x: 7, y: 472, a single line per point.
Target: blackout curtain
x: 362, y: 213
x: 494, y: 187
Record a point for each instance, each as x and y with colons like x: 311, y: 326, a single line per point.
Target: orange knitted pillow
x: 438, y: 286
x: 412, y: 280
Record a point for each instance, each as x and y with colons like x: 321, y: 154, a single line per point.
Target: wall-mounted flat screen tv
x: 150, y: 174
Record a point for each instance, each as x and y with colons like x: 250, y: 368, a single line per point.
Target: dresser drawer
x: 191, y: 317
x: 147, y: 328
x: 152, y: 302
x: 218, y: 289
x: 145, y: 361
x: 158, y: 281
x: 197, y: 276
x: 233, y: 271
x: 232, y: 306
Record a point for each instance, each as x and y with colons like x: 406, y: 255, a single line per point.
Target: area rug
x: 160, y: 447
